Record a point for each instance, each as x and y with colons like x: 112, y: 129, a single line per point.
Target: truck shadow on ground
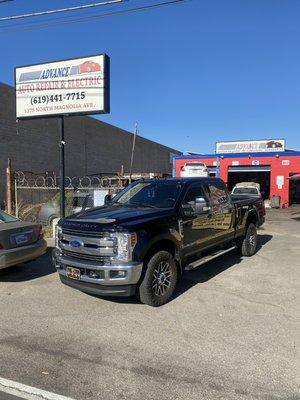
x: 296, y: 218
x: 29, y: 271
x: 204, y: 273
x: 214, y: 268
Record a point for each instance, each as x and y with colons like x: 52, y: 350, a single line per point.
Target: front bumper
x: 22, y: 254
x: 99, y: 290
x: 104, y: 285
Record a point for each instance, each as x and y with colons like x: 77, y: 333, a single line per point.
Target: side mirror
x: 107, y: 199
x: 201, y: 206
x: 198, y: 207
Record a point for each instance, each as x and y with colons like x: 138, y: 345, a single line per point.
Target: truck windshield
x: 156, y: 194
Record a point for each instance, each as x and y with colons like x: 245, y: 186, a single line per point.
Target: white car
x: 193, y: 169
x: 247, y: 189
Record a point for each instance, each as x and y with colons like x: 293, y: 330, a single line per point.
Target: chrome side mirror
x: 201, y: 206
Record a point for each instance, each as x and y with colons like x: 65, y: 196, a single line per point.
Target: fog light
x: 57, y: 265
x: 115, y: 274
x: 96, y: 274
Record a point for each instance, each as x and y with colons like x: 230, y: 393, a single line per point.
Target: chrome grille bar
x: 83, y: 233
x: 103, y: 260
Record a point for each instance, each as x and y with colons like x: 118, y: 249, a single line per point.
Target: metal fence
x: 37, y: 196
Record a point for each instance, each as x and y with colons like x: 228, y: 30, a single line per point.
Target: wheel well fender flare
x: 163, y: 242
x: 252, y: 217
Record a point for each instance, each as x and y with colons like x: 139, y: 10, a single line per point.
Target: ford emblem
x: 76, y: 243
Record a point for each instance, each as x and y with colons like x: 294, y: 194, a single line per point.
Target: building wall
x: 275, y: 160
x: 92, y: 146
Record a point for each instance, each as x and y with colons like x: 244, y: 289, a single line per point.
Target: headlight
x: 126, y: 243
x: 58, y: 235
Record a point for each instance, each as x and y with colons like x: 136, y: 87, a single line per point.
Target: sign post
x: 62, y: 173
x: 77, y: 86
x: 218, y: 167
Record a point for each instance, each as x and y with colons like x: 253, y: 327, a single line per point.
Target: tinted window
x: 245, y: 191
x: 192, y: 194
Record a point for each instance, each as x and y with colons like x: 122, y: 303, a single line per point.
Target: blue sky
x: 190, y: 74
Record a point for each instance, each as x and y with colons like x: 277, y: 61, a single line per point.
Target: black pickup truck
x: 142, y: 240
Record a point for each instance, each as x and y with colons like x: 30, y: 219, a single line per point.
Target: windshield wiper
x: 143, y: 205
x: 118, y: 203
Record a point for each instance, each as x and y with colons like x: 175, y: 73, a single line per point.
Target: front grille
x: 87, y: 257
x: 83, y: 233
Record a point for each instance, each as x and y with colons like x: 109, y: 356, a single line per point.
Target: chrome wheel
x: 252, y: 240
x: 161, y: 278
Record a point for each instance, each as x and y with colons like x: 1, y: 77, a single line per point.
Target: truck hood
x: 114, y: 217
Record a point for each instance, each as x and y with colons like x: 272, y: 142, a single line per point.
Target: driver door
x: 196, y: 228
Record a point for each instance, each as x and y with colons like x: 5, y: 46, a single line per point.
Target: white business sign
x: 249, y: 146
x: 279, y: 181
x: 77, y: 86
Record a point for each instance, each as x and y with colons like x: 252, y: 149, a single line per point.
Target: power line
x: 61, y: 10
x: 91, y: 17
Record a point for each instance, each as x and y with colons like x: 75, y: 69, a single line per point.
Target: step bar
x: 207, y: 258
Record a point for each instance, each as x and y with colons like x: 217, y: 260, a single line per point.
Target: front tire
x: 247, y: 246
x: 160, y: 280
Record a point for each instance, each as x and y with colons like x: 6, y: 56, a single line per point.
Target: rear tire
x: 247, y: 246
x: 160, y: 280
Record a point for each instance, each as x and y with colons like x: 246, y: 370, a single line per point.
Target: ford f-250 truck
x: 142, y: 240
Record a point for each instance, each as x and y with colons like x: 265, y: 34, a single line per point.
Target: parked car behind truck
x: 246, y: 189
x: 141, y: 241
x: 76, y: 202
x: 193, y: 169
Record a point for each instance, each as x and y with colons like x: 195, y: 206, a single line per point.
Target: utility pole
x: 132, y: 151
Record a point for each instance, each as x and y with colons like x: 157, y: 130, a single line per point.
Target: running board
x: 205, y: 259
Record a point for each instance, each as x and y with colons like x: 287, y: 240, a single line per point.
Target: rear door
x: 222, y: 212
x: 196, y: 229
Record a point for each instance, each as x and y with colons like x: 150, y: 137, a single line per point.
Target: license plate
x: 21, y: 239
x: 73, y: 273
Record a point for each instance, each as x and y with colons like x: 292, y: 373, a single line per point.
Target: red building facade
x: 272, y: 170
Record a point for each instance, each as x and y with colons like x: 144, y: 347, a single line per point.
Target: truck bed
x: 255, y: 201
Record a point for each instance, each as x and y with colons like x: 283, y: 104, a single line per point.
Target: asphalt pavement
x: 5, y: 396
x: 231, y: 332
